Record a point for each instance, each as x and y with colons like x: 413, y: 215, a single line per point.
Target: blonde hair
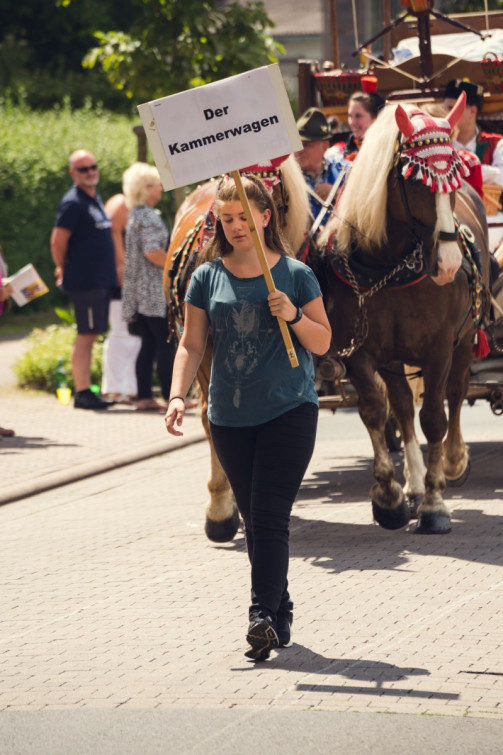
x: 363, y: 202
x: 135, y: 182
x: 297, y: 214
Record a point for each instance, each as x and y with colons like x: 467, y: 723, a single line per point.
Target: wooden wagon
x: 433, y: 52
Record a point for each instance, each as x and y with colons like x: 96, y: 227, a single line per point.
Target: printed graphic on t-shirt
x: 244, y: 334
x: 100, y: 220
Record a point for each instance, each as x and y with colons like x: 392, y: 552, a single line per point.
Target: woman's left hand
x: 174, y: 415
x: 281, y: 306
x: 5, y: 292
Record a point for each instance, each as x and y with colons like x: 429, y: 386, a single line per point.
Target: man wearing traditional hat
x: 320, y: 172
x: 487, y: 146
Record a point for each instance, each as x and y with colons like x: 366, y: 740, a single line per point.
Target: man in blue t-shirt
x: 320, y: 172
x: 83, y: 251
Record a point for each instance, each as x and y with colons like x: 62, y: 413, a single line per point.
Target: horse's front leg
x: 433, y: 515
x: 456, y: 454
x: 222, y: 519
x: 390, y: 509
x: 402, y: 404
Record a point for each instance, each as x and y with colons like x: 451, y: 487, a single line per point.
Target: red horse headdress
x: 267, y: 170
x: 427, y: 152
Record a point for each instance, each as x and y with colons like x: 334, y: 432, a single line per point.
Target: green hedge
x: 37, y: 367
x: 34, y: 151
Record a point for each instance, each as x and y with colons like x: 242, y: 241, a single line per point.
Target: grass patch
x: 36, y: 369
x: 22, y: 323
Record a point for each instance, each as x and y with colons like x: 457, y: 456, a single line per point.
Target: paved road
x: 122, y: 627
x: 56, y: 444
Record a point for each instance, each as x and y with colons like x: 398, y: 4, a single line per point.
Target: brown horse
x: 192, y: 224
x: 386, y: 310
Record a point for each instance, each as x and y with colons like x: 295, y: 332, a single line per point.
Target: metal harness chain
x: 414, y: 261
x: 477, y: 287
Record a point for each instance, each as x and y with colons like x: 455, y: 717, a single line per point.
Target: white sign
x: 224, y: 126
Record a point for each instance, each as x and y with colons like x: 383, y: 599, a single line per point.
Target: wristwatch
x: 297, y: 317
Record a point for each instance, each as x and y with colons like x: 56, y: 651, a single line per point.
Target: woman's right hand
x: 174, y: 415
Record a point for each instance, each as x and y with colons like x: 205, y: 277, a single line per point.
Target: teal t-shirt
x: 252, y: 381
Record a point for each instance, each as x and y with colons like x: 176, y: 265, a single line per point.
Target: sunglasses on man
x: 86, y: 168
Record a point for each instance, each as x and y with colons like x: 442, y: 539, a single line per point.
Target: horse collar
x: 363, y: 277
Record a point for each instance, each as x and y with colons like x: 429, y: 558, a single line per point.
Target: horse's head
x: 398, y: 195
x: 429, y: 171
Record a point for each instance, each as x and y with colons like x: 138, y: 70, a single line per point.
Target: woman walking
x: 143, y: 301
x: 263, y: 413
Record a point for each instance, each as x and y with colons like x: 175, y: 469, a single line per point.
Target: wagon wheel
x: 392, y: 434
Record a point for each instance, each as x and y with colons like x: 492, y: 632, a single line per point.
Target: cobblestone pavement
x: 56, y: 444
x: 114, y: 600
x: 112, y: 596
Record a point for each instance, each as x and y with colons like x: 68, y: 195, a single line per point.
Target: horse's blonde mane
x: 363, y: 202
x: 297, y: 217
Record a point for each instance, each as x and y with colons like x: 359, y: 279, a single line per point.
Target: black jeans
x: 154, y: 348
x: 265, y: 465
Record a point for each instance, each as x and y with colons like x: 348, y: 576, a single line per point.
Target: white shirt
x: 488, y: 176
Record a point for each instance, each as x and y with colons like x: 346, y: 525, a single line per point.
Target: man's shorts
x: 91, y: 310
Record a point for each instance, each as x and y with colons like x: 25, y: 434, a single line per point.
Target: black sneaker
x: 89, y: 400
x: 284, y: 629
x: 262, y: 638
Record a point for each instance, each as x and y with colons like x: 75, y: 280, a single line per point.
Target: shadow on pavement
x: 352, y: 483
x: 343, y: 546
x: 298, y: 658
x: 9, y: 445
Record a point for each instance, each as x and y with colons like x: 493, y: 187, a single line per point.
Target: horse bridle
x: 419, y: 230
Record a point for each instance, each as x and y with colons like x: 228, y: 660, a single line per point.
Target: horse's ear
x: 456, y: 112
x: 403, y: 122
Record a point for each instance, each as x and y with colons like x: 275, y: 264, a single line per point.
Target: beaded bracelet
x: 173, y: 398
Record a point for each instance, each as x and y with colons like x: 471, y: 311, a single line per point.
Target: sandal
x: 118, y: 398
x: 150, y: 405
x: 5, y: 433
x: 191, y: 403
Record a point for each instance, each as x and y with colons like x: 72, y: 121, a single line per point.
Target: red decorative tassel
x: 480, y: 346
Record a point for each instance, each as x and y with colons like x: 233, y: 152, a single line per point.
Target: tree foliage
x: 42, y: 44
x: 34, y: 150
x: 172, y: 46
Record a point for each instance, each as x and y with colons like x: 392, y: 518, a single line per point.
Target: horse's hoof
x: 414, y: 502
x: 222, y: 532
x: 432, y: 523
x: 392, y: 519
x: 458, y: 481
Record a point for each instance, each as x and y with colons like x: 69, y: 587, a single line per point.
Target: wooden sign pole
x: 287, y: 338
